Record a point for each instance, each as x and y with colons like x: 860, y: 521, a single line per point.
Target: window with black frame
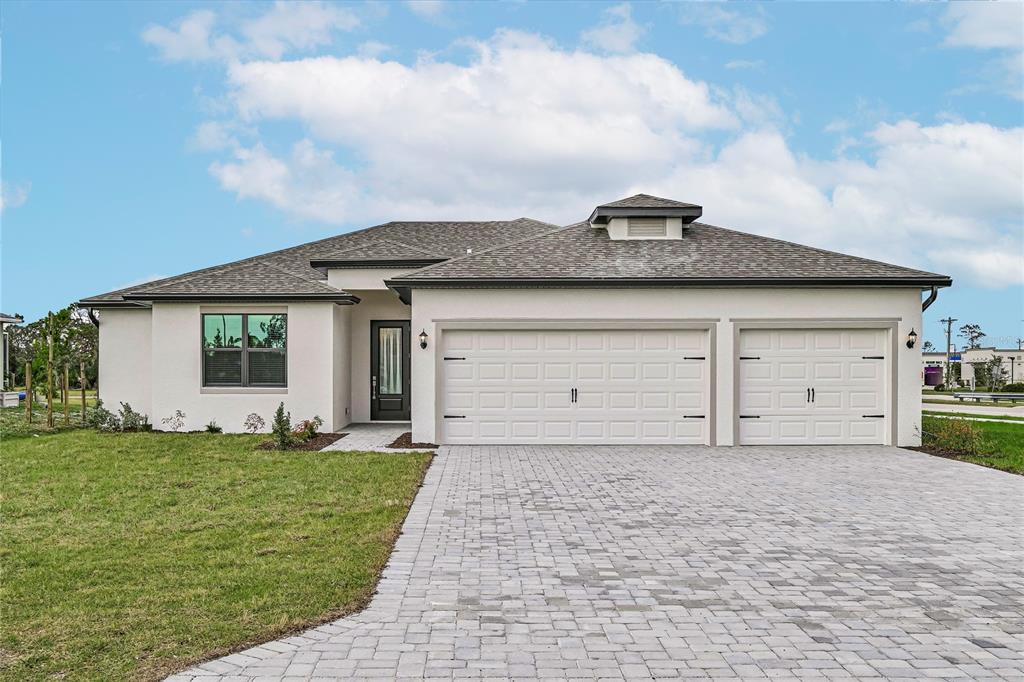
x: 242, y: 349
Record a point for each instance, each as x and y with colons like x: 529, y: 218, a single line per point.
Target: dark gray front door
x: 390, y: 362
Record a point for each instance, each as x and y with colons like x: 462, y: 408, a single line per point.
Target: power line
x: 949, y: 334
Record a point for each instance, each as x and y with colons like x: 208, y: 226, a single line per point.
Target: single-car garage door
x: 575, y: 386
x: 812, y: 386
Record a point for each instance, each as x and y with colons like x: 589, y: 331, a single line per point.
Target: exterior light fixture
x: 423, y: 339
x: 911, y: 338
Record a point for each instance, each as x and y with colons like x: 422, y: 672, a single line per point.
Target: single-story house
x: 636, y: 325
x: 7, y: 398
x: 1011, y: 362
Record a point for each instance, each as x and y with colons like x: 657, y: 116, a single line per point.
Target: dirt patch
x: 317, y: 442
x: 405, y: 442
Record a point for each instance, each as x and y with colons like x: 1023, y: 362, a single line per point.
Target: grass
x: 131, y: 556
x: 968, y: 415
x: 13, y: 423
x: 1001, y: 445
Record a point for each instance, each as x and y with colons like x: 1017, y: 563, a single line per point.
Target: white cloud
x: 997, y: 26
x: 985, y: 25
x: 286, y: 26
x: 752, y: 64
x: 372, y: 49
x: 13, y: 196
x: 732, y: 25
x: 617, y: 31
x: 427, y: 9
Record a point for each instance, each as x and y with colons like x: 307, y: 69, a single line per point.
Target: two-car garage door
x: 575, y: 386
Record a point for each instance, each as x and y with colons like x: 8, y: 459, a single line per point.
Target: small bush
x: 308, y: 428
x: 959, y: 436
x: 176, y: 421
x: 131, y: 420
x: 1016, y: 387
x: 282, y: 428
x: 102, y: 419
x: 213, y: 428
x: 940, y: 387
x: 254, y: 423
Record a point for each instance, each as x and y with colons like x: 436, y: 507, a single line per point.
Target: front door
x: 390, y: 355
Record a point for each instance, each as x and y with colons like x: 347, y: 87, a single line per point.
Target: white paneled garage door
x: 575, y: 386
x: 812, y: 386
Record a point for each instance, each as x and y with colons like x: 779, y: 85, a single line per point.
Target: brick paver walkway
x: 686, y: 562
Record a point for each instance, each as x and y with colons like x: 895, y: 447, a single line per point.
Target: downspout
x: 92, y: 317
x: 931, y: 299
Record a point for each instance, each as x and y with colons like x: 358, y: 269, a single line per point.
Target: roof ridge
x: 818, y: 249
x: 493, y: 248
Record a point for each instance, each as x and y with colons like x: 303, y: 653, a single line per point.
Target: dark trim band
x: 383, y: 263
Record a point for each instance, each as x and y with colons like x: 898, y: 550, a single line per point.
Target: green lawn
x: 988, y: 403
x: 1002, y: 446
x: 129, y: 556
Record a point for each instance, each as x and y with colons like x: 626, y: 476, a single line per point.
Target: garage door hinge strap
x: 693, y: 416
x: 455, y: 416
x: 447, y: 358
x: 872, y: 357
x: 873, y: 416
x: 750, y: 357
x: 750, y: 416
x: 694, y: 357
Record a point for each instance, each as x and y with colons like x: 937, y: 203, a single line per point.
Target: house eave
x: 601, y: 215
x: 328, y: 263
x: 659, y: 283
x: 339, y: 298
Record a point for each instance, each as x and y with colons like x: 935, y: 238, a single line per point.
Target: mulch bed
x: 317, y: 442
x: 405, y: 442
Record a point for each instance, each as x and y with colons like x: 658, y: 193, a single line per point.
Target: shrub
x: 213, y: 428
x: 1017, y: 387
x: 132, y: 420
x: 254, y: 423
x: 308, y: 428
x: 176, y: 421
x: 282, y: 428
x: 102, y: 419
x: 959, y: 436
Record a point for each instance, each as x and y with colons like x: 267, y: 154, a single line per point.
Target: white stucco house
x: 636, y: 325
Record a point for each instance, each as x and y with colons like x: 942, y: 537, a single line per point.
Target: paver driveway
x: 678, y: 562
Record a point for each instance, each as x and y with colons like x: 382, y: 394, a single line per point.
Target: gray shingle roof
x: 288, y: 272
x: 705, y: 252
x: 380, y: 250
x: 647, y: 201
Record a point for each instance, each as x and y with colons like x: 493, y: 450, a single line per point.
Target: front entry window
x: 390, y: 369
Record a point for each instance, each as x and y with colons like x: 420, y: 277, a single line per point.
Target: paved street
x: 685, y: 562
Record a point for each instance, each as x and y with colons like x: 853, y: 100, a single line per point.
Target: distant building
x: 1013, y: 363
x: 5, y: 320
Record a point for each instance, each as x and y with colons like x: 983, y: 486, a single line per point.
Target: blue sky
x: 142, y: 140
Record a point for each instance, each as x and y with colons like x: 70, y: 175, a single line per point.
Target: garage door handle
x: 808, y: 395
x: 812, y: 395
x: 572, y: 395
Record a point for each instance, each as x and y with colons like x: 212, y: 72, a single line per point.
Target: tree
x: 75, y: 339
x: 990, y: 373
x: 928, y: 347
x: 972, y: 334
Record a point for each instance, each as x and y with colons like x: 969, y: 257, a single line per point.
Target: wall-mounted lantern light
x: 911, y: 338
x: 423, y: 339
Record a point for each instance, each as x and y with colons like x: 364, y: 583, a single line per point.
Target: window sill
x: 242, y: 390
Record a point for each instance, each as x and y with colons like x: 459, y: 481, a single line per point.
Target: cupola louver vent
x: 647, y: 227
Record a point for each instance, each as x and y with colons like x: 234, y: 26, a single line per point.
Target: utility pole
x: 949, y: 335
